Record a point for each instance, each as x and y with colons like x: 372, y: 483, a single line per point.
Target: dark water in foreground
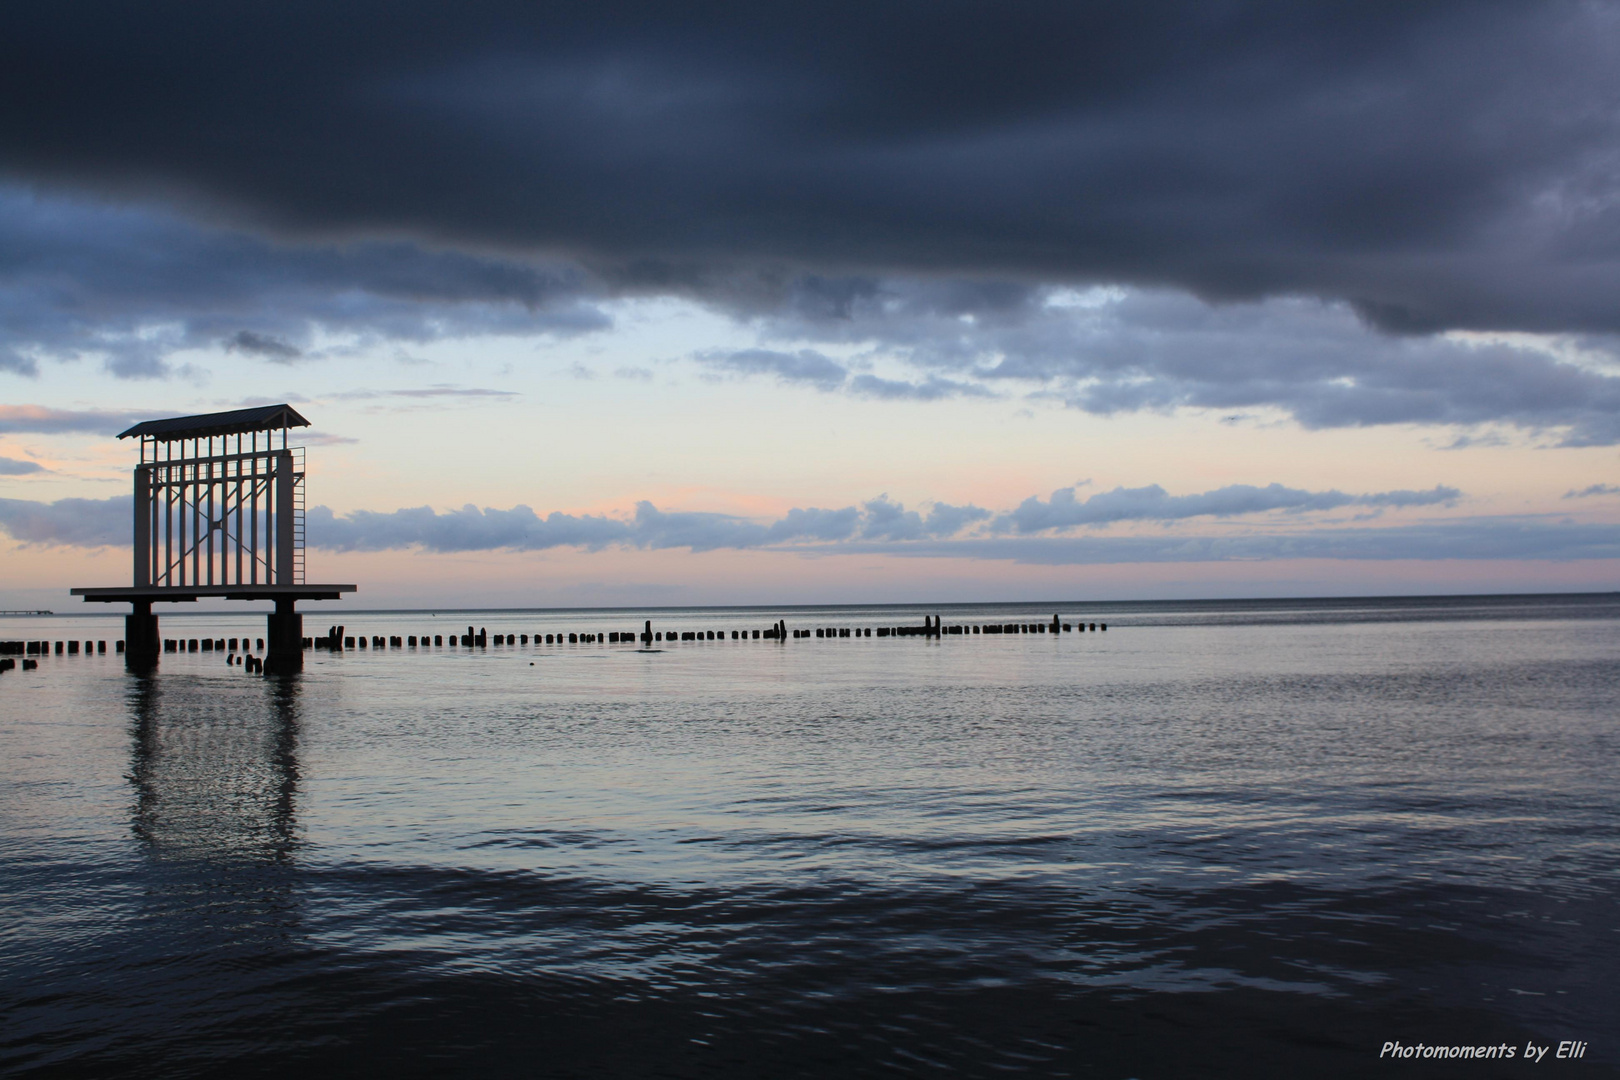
x: 1221, y: 839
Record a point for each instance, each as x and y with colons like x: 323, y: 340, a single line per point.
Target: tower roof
x: 237, y: 421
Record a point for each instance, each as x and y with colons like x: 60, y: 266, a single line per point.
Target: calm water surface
x: 1251, y: 838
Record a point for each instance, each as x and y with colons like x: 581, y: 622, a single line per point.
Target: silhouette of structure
x: 219, y: 512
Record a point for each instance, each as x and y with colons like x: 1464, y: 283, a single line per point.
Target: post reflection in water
x: 215, y: 810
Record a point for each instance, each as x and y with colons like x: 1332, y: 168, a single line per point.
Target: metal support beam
x: 284, y: 517
x: 143, y: 525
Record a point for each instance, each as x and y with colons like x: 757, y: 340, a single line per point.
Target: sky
x: 630, y: 304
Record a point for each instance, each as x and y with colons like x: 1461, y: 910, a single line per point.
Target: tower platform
x: 179, y: 594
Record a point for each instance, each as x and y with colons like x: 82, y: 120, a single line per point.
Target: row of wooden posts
x: 240, y: 651
x: 229, y: 646
x: 63, y: 648
x: 28, y: 649
x: 338, y: 641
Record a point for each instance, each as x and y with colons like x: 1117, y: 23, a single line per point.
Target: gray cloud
x: 1595, y: 489
x: 695, y: 530
x: 1469, y: 539
x: 814, y: 524
x: 40, y: 420
x: 82, y: 522
x: 806, y: 366
x: 1112, y: 351
x: 263, y: 345
x: 467, y: 529
x: 133, y: 285
x: 521, y: 529
x: 811, y: 368
x: 17, y: 467
x: 933, y: 388
x: 443, y: 390
x: 105, y: 522
x: 887, y: 520
x: 68, y: 522
x: 878, y: 520
x: 17, y: 363
x: 1153, y: 503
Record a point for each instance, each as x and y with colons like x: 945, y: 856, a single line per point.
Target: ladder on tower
x: 298, y: 515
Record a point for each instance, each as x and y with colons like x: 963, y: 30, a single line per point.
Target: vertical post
x: 195, y: 488
x: 284, y: 650
x: 284, y: 517
x: 153, y: 510
x: 177, y: 473
x: 168, y: 518
x: 143, y: 524
x: 141, y: 641
x: 238, y: 501
x: 253, y: 515
x: 209, y: 512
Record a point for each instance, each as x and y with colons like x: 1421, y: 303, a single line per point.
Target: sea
x: 1344, y: 837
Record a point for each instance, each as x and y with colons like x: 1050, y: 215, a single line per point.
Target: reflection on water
x: 215, y: 814
x: 216, y: 786
x: 1192, y: 849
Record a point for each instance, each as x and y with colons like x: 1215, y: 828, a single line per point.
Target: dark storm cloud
x: 1437, y: 165
x: 133, y: 286
x: 906, y: 178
